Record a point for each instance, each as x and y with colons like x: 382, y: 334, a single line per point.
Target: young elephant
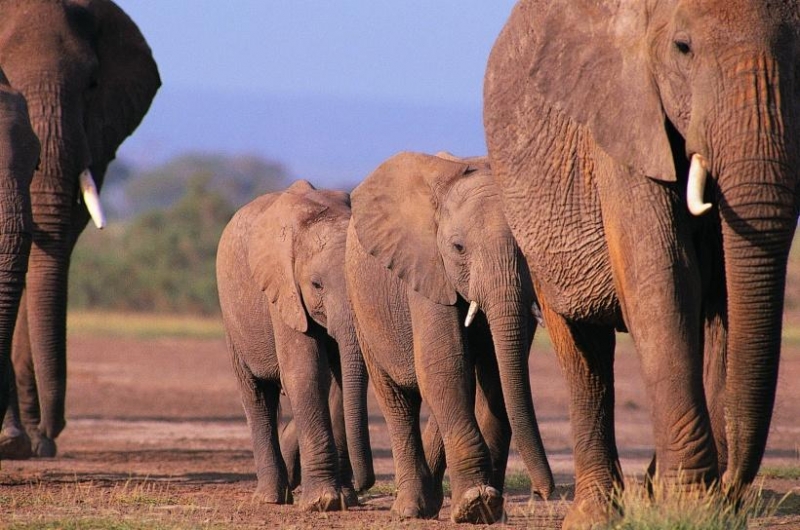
x: 289, y: 326
x: 427, y: 247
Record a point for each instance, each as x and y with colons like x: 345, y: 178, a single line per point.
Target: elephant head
x: 437, y: 223
x: 662, y: 87
x: 88, y: 77
x: 296, y: 255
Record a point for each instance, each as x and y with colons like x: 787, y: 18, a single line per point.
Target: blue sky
x: 417, y: 51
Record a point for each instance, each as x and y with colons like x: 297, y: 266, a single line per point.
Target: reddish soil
x: 156, y: 435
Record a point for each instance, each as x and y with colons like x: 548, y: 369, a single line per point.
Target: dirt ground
x: 156, y: 438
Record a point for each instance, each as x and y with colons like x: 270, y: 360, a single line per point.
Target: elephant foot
x: 414, y: 506
x: 43, y: 446
x: 15, y: 445
x: 589, y: 515
x: 479, y: 505
x: 323, y: 500
x: 274, y: 495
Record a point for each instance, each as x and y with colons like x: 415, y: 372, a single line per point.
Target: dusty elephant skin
x: 427, y: 239
x: 19, y: 154
x: 595, y: 113
x: 289, y: 325
x: 88, y: 77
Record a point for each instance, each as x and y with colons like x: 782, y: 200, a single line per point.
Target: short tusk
x: 537, y: 314
x: 473, y: 310
x: 698, y: 172
x: 91, y: 198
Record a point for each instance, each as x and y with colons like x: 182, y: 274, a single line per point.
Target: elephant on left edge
x: 19, y: 154
x: 88, y: 77
x: 289, y: 327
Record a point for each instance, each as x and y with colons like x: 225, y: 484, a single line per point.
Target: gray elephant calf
x: 428, y: 246
x: 289, y: 325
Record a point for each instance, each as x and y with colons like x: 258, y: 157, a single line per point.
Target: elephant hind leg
x: 260, y: 400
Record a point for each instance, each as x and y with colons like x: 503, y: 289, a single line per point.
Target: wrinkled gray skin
x: 289, y: 326
x: 427, y: 237
x: 593, y: 111
x: 88, y: 77
x: 19, y: 154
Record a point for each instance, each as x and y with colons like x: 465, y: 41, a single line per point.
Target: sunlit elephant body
x: 593, y: 113
x: 427, y: 238
x: 289, y: 325
x: 88, y: 77
x: 19, y: 154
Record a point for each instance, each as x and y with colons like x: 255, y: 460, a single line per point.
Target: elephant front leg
x: 659, y: 287
x: 586, y: 356
x: 305, y: 376
x: 447, y: 381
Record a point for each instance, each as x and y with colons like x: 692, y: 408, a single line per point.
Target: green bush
x: 161, y: 261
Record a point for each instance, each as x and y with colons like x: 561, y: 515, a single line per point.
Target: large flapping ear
x: 271, y: 254
x: 20, y: 155
x: 395, y: 217
x: 126, y: 83
x: 588, y: 59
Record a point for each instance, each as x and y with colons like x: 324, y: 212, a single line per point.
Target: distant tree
x: 237, y: 178
x: 162, y: 261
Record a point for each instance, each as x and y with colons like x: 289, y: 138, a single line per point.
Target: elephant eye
x: 316, y: 284
x: 683, y: 46
x: 458, y: 248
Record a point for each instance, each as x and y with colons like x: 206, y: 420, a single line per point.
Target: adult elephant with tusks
x: 607, y: 124
x: 88, y: 77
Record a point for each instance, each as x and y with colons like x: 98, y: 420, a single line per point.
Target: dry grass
x: 143, y: 325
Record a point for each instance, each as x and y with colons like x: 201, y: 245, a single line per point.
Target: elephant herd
x: 641, y: 177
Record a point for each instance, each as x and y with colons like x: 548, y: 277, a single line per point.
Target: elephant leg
x: 305, y: 377
x: 586, y: 355
x: 261, y: 402
x: 446, y: 378
x: 714, y: 378
x: 415, y: 497
x: 436, y: 459
x: 659, y: 285
x: 290, y: 451
x: 21, y: 423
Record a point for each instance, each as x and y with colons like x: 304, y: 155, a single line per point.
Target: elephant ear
x: 127, y: 80
x: 588, y: 59
x: 271, y: 254
x: 395, y: 214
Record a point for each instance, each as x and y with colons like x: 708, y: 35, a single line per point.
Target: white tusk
x: 696, y: 186
x: 91, y: 198
x: 473, y: 310
x: 537, y: 314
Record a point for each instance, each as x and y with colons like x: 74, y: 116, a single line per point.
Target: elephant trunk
x: 354, y: 399
x: 54, y: 188
x: 758, y: 223
x: 507, y: 306
x: 755, y: 164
